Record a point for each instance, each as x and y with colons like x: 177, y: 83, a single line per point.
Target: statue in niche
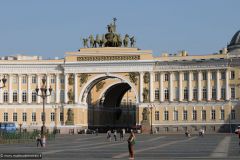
x: 70, y: 96
x: 145, y: 114
x: 145, y: 94
x: 70, y: 117
x: 146, y: 77
x: 70, y: 79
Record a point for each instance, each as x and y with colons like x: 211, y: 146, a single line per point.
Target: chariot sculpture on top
x: 110, y: 39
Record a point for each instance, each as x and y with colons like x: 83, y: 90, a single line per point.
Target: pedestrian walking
x: 39, y: 140
x: 131, y: 143
x: 121, y: 134
x: 109, y: 135
x: 115, y: 135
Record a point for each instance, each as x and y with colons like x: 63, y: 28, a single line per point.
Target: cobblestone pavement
x: 87, y: 147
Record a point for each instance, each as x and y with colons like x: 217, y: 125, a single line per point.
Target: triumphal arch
x: 110, y: 83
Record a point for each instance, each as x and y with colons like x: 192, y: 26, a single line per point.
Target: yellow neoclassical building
x: 111, y: 84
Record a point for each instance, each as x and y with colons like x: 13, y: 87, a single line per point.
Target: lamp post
x: 151, y: 107
x: 43, y: 94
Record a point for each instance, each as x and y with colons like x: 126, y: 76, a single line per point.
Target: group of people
x: 131, y: 140
x: 41, y: 140
x: 109, y: 134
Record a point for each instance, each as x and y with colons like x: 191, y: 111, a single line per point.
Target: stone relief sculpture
x: 70, y: 117
x: 99, y: 85
x: 125, y: 40
x: 83, y: 78
x: 133, y: 77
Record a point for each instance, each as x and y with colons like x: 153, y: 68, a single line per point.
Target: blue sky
x: 50, y: 28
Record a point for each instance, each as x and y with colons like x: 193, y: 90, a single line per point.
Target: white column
x: 65, y: 88
x: 227, y: 84
x: 19, y: 88
x: 76, y: 88
x: 161, y: 87
x: 141, y: 87
x: 199, y: 86
x: 171, y: 87
x: 57, y: 88
x: 209, y: 85
x: 10, y: 92
x: 151, y: 90
x: 29, y: 93
x: 180, y: 86
x: 190, y: 90
x: 218, y: 88
x: 48, y: 86
x: 39, y: 86
x: 1, y: 90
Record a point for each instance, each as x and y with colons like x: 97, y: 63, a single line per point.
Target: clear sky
x: 49, y: 28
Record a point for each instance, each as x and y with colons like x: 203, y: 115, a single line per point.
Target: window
x: 213, y: 115
x: 204, y: 115
x: 5, y: 96
x: 233, y: 114
x: 52, y: 116
x: 214, y: 75
x: 53, y: 96
x: 175, y: 115
x: 232, y: 75
x: 14, y: 117
x: 233, y: 93
x: 15, y: 96
x: 223, y: 76
x: 204, y: 76
x: 185, y: 115
x: 34, y: 96
x: 176, y: 93
x: 166, y: 115
x: 24, y: 116
x: 61, y: 117
x: 195, y: 94
x: 214, y: 94
x: 185, y: 76
x: 166, y: 94
x: 222, y: 115
x: 157, y: 94
x: 185, y: 94
x: 194, y: 115
x: 24, y: 79
x: 5, y: 117
x: 62, y: 80
x: 157, y: 77
x: 195, y: 76
x: 24, y: 96
x: 157, y: 115
x: 34, y: 116
x: 204, y: 93
x: 34, y: 79
x: 62, y: 96
x: 52, y: 79
x: 166, y: 77
x: 223, y: 93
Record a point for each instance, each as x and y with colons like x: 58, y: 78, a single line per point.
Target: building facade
x: 114, y: 86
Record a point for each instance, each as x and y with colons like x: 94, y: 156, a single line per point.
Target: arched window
x: 24, y: 96
x: 5, y: 96
x: 15, y: 96
x: 34, y: 96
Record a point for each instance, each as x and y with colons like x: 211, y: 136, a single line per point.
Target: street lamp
x: 3, y: 80
x: 151, y: 107
x: 43, y: 94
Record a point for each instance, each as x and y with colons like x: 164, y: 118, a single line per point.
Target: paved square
x: 73, y: 147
